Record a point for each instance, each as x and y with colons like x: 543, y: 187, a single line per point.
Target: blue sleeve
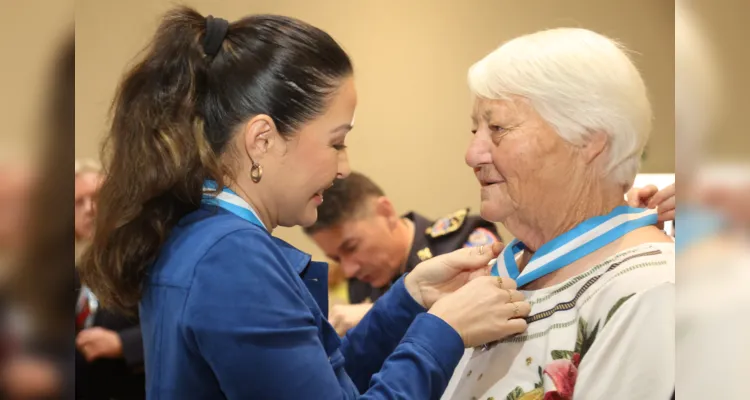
x: 398, y: 348
x: 366, y: 346
x: 249, y: 321
x: 422, y: 364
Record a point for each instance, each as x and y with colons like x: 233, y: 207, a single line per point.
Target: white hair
x: 580, y: 82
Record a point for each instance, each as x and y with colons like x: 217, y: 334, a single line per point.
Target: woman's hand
x: 444, y: 274
x: 484, y: 310
x: 650, y: 196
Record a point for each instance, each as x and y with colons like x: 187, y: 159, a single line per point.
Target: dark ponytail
x: 172, y: 117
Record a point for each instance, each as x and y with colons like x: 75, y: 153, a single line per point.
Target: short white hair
x: 580, y: 82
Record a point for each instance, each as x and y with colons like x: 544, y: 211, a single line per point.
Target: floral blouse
x: 607, y: 333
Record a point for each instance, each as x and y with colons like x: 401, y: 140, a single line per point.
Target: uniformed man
x: 359, y: 228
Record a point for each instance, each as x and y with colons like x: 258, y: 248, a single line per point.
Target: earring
x: 256, y: 172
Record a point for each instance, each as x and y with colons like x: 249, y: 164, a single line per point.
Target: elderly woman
x: 560, y: 120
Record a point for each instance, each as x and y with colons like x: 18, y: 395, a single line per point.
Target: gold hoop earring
x: 256, y: 172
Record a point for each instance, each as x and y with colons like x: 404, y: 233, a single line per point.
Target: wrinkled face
x: 365, y: 248
x: 86, y: 186
x: 521, y: 163
x: 310, y: 162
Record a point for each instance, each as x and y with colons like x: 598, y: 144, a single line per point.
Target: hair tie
x: 216, y: 31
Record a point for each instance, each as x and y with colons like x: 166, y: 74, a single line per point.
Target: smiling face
x: 298, y: 168
x: 521, y: 163
x: 316, y: 159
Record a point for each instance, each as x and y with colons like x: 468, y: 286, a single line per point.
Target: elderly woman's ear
x: 594, y: 146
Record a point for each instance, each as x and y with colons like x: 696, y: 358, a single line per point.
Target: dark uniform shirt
x: 433, y: 238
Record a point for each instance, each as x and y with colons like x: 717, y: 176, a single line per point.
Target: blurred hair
x: 580, y: 82
x: 173, y: 115
x: 345, y: 200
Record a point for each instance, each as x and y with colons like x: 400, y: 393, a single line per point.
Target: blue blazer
x: 228, y: 311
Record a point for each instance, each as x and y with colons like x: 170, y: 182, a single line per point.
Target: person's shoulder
x: 463, y: 228
x: 244, y: 247
x: 246, y: 260
x: 206, y: 237
x: 447, y: 225
x: 640, y: 271
x: 206, y: 228
x: 640, y: 268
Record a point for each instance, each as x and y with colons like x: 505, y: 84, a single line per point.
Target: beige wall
x: 724, y: 22
x: 31, y: 37
x: 411, y: 58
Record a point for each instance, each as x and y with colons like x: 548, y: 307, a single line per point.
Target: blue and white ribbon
x: 584, y: 239
x: 230, y: 201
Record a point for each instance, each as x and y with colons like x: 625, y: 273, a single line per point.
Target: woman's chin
x: 492, y: 211
x: 309, y: 216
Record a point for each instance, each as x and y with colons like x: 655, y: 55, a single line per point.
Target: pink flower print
x: 563, y: 373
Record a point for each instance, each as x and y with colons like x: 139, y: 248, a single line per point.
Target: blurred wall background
x: 31, y: 36
x: 724, y: 22
x: 411, y: 59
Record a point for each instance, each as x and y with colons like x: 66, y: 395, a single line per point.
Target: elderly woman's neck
x: 568, y: 211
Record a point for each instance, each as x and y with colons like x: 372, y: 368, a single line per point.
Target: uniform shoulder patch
x: 480, y: 237
x: 448, y: 224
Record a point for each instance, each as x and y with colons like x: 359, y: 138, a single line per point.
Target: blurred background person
x: 713, y: 255
x: 16, y: 184
x: 358, y: 227
x: 38, y: 363
x: 88, y: 178
x: 109, y: 345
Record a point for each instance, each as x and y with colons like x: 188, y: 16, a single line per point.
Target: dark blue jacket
x: 228, y: 311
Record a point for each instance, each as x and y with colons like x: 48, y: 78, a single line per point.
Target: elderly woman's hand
x: 444, y: 274
x: 650, y: 196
